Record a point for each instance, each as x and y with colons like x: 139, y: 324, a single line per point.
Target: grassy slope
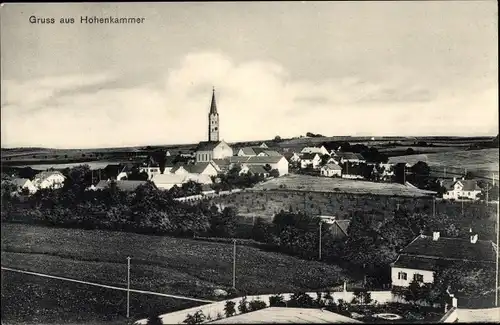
x: 326, y: 184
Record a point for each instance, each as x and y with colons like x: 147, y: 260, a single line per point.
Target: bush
x: 277, y: 301
x: 243, y: 305
x: 256, y: 305
x: 197, y: 318
x: 229, y: 309
x: 361, y: 296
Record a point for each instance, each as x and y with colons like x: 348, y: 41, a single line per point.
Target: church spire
x: 213, y: 106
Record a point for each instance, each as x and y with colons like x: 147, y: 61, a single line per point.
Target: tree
x: 416, y: 291
x: 243, y: 305
x: 155, y: 320
x: 274, y: 173
x: 256, y: 305
x: 277, y: 301
x: 277, y: 138
x: 362, y: 296
x: 229, y: 309
x: 197, y: 318
x: 223, y: 223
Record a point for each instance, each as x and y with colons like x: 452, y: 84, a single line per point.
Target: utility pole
x: 234, y: 264
x: 128, y: 286
x: 434, y: 207
x: 444, y: 172
x: 319, y: 254
x: 498, y: 233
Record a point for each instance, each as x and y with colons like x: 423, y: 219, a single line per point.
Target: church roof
x: 207, y: 145
x: 213, y: 105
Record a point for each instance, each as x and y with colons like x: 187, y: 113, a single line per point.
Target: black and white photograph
x: 249, y: 162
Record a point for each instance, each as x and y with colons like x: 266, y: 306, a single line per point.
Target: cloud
x: 256, y: 100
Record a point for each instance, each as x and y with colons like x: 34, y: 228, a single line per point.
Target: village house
x: 425, y: 254
x: 222, y: 165
x: 263, y: 145
x: 331, y: 170
x: 205, y: 168
x: 337, y: 228
x: 319, y: 150
x: 256, y: 151
x: 208, y: 151
x: 49, y: 179
x: 167, y: 181
x: 292, y: 157
x: 254, y: 170
x: 24, y: 184
x: 342, y: 157
x: 461, y: 189
x: 310, y: 160
x: 279, y: 163
x: 123, y: 185
x: 387, y: 172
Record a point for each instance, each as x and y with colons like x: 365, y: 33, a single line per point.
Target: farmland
x: 161, y: 264
x: 482, y: 162
x: 326, y: 184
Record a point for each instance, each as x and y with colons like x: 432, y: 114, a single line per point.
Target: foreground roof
x: 451, y: 248
x: 19, y: 181
x: 279, y: 315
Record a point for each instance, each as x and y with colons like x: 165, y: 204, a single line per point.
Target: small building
x: 167, y: 181
x: 256, y: 151
x: 279, y: 163
x: 49, y: 179
x: 310, y: 160
x: 338, y: 228
x: 263, y: 145
x: 331, y: 170
x: 425, y: 254
x: 254, y: 170
x: 222, y: 165
x: 292, y: 157
x: 24, y: 184
x: 210, y: 150
x: 319, y: 150
x: 462, y: 189
x: 123, y: 185
x: 342, y: 157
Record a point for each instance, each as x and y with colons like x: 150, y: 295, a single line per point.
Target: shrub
x: 243, y: 305
x: 361, y: 296
x: 229, y: 309
x: 197, y: 318
x: 256, y: 305
x: 277, y: 301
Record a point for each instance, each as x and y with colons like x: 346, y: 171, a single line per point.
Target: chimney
x: 435, y: 235
x: 454, y: 179
x: 473, y: 239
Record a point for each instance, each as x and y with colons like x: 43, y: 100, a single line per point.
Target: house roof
x: 221, y: 162
x: 168, y: 179
x: 348, y: 155
x: 197, y: 168
x: 19, y: 181
x: 451, y: 248
x: 283, y: 315
x: 469, y: 185
x: 124, y: 185
x: 257, y: 169
x: 47, y: 174
x: 199, y: 178
x: 308, y: 156
x: 289, y: 154
x: 248, y: 151
x: 332, y: 166
x: 272, y: 153
x: 360, y: 156
x: 343, y: 225
x: 177, y: 167
x: 113, y: 170
x: 208, y: 145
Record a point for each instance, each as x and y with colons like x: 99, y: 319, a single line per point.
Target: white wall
x: 428, y: 276
x: 223, y: 150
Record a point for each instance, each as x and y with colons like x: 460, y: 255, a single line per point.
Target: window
x: 402, y: 276
x: 418, y: 277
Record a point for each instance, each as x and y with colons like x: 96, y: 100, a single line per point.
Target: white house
x: 150, y: 170
x: 319, y: 150
x: 253, y: 170
x: 351, y: 157
x: 49, y: 179
x: 180, y: 170
x: 425, y: 254
x: 310, y: 160
x: 24, y: 184
x: 263, y: 145
x: 209, y: 150
x: 330, y: 170
x: 292, y: 157
x: 279, y: 163
x: 256, y: 151
x: 167, y: 181
x: 463, y: 189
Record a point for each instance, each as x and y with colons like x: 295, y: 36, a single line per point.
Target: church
x: 213, y: 148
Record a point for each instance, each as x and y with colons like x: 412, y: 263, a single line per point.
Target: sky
x: 281, y: 68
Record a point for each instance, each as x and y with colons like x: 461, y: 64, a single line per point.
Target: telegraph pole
x: 234, y: 264
x: 434, y: 207
x: 128, y: 286
x: 498, y: 233
x: 319, y: 254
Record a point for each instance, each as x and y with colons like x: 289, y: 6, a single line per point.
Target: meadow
x: 309, y: 183
x: 479, y: 161
x: 160, y: 264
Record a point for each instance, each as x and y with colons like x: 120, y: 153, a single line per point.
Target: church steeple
x: 213, y: 106
x: 213, y: 120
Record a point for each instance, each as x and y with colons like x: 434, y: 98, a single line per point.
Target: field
x: 326, y: 184
x: 161, y: 264
x: 482, y: 162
